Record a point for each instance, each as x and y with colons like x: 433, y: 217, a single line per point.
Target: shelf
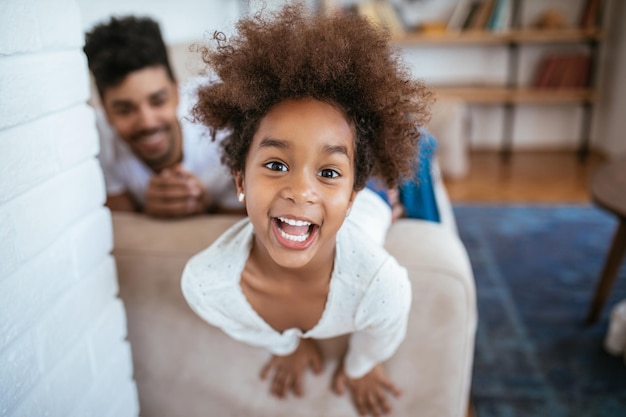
x: 503, y: 95
x: 480, y: 37
x: 556, y: 36
x: 508, y: 93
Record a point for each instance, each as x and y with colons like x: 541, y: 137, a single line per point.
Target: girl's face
x: 298, y: 181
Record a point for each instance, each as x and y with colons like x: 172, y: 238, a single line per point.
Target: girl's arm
x: 381, y: 322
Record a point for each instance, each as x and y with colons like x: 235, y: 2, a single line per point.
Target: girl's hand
x: 289, y: 370
x: 369, y: 393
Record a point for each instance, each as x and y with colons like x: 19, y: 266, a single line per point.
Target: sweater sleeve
x: 380, y: 320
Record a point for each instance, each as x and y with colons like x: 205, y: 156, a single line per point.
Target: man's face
x: 142, y: 110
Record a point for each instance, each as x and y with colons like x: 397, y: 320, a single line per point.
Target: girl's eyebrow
x: 273, y: 143
x: 281, y: 144
x: 333, y: 149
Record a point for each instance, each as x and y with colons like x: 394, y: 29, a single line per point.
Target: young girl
x: 316, y: 105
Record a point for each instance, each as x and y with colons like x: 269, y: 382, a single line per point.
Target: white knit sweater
x: 369, y: 296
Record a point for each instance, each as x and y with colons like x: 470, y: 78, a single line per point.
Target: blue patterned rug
x: 536, y: 268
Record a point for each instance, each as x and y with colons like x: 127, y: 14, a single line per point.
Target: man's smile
x: 150, y: 136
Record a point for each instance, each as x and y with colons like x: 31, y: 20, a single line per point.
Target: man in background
x: 155, y: 159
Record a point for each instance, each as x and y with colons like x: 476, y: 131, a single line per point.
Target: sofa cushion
x: 185, y: 367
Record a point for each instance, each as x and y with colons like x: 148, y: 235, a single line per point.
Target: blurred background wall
x: 545, y: 127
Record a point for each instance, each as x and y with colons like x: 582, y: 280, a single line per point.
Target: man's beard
x: 166, y: 158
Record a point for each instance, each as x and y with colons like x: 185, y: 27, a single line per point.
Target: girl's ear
x: 353, y: 196
x: 351, y: 201
x: 238, y: 175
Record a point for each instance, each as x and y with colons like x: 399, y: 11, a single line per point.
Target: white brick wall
x: 62, y: 329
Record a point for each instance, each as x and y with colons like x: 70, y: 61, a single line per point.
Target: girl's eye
x: 276, y: 166
x: 328, y: 173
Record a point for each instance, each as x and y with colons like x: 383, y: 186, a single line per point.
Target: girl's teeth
x: 300, y: 238
x: 292, y: 222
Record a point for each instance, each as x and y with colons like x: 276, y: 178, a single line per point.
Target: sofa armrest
x: 185, y: 367
x: 443, y: 318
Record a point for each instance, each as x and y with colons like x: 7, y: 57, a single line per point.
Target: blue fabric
x: 379, y: 189
x: 416, y: 195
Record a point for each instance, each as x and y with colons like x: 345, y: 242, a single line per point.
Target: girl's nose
x: 301, y: 188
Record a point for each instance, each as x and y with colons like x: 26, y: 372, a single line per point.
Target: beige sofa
x: 184, y: 367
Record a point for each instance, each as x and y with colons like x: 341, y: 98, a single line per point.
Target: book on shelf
x: 563, y: 71
x: 470, y: 15
x: 491, y: 15
x: 576, y: 73
x: 459, y: 14
x: 382, y: 13
x: 501, y: 16
x: 591, y: 14
x: 481, y: 17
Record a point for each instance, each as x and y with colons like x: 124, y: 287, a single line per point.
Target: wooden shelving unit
x: 520, y: 36
x: 504, y: 95
x: 486, y: 94
x: 512, y: 93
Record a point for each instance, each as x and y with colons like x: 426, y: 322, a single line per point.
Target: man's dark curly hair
x: 340, y: 59
x: 123, y: 45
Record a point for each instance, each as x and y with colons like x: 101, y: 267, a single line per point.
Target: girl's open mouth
x: 293, y: 233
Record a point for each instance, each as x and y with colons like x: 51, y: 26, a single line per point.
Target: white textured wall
x: 62, y: 329
x: 180, y: 20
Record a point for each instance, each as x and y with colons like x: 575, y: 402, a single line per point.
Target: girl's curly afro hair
x: 340, y: 59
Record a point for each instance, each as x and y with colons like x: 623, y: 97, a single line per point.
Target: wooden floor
x: 529, y: 177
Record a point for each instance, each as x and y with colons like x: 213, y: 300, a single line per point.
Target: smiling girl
x: 316, y: 106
